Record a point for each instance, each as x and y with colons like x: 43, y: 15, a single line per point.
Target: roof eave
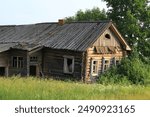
x: 122, y: 40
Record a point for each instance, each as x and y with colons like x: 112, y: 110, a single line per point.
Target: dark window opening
x: 17, y: 62
x: 32, y: 70
x: 117, y: 62
x: 2, y: 71
x: 68, y: 65
x: 107, y: 36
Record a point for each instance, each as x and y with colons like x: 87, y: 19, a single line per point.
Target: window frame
x: 33, y: 58
x: 65, y: 63
x: 104, y: 64
x: 96, y: 66
x: 115, y: 61
x: 18, y: 63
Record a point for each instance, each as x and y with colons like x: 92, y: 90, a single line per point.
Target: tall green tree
x: 94, y: 14
x: 132, y: 18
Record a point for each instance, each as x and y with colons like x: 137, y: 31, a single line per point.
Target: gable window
x: 68, y: 64
x: 106, y: 64
x: 107, y: 36
x: 94, y: 68
x: 17, y: 62
x: 33, y: 59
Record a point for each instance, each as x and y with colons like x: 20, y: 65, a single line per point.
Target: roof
x: 6, y: 46
x: 76, y: 36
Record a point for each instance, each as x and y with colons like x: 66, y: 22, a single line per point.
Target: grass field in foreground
x: 36, y: 89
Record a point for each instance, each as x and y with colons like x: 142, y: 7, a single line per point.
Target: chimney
x: 61, y: 21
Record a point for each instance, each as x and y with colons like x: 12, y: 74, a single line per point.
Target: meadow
x: 16, y: 88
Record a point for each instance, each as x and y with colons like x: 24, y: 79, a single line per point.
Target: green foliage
x: 32, y: 88
x: 131, y: 71
x: 132, y: 18
x: 94, y: 14
x: 112, y: 77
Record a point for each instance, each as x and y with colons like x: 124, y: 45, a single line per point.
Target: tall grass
x: 17, y: 88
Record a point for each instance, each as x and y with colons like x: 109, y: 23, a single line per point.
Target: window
x: 33, y: 59
x: 17, y: 62
x: 94, y: 69
x: 117, y: 62
x: 107, y: 36
x: 106, y: 64
x: 68, y: 64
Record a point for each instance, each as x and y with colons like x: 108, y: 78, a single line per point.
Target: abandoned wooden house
x: 82, y: 50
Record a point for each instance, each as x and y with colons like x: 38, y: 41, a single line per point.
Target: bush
x: 130, y: 71
x: 112, y: 77
x: 135, y: 70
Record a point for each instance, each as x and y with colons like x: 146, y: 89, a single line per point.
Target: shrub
x: 130, y: 71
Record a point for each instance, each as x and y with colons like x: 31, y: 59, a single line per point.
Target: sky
x: 15, y: 12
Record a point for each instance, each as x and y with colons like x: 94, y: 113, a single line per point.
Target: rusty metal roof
x: 77, y: 36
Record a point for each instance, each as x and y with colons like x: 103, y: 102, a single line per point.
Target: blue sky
x: 35, y: 11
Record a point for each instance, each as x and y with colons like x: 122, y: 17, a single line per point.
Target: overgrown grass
x: 17, y: 88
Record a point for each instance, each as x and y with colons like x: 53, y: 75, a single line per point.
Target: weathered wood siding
x: 91, y: 55
x: 38, y: 64
x: 102, y: 41
x: 53, y: 62
x: 4, y: 61
x: 18, y: 71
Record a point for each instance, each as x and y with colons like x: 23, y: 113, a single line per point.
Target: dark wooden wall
x: 38, y: 63
x: 18, y: 71
x: 53, y: 63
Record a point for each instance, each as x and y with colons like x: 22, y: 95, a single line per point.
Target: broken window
x: 68, y: 64
x: 94, y: 69
x: 17, y: 62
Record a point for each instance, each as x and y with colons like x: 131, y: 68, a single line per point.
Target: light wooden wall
x: 102, y: 41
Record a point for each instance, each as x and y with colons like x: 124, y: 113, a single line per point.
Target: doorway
x: 33, y: 70
x: 2, y: 71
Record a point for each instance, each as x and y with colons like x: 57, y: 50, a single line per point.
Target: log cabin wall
x: 19, y: 67
x: 91, y: 55
x: 53, y: 63
x: 99, y: 57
